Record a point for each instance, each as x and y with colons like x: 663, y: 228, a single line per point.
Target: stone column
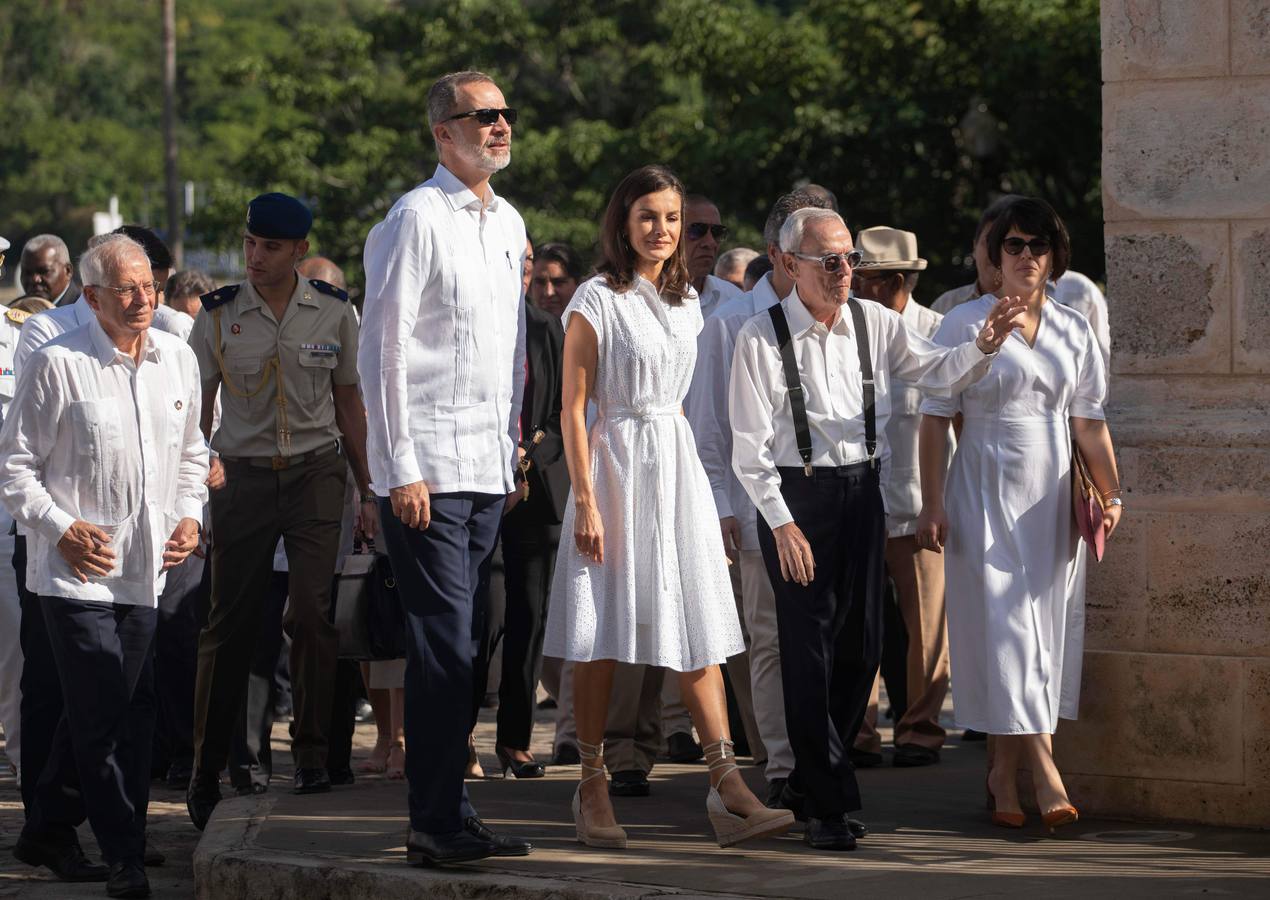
x: 1175, y: 712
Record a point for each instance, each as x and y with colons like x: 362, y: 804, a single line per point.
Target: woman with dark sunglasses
x: 1015, y: 566
x: 643, y: 579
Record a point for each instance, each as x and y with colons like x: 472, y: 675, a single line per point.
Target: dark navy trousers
x: 439, y: 573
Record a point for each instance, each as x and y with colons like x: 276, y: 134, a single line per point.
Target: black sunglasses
x: 1014, y: 246
x: 487, y: 116
x: 697, y: 230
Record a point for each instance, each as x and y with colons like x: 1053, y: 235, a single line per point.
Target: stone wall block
x: 1168, y: 473
x: 1249, y: 37
x: 1257, y: 725
x: 1153, y: 716
x: 1171, y: 803
x: 1188, y: 149
x: 1144, y: 39
x: 1208, y: 585
x: 1250, y: 248
x: 1116, y: 591
x: 1168, y: 294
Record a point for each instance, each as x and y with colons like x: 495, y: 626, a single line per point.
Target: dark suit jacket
x: 549, y: 475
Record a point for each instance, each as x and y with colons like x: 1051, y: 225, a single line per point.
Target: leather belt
x: 278, y: 463
x: 850, y: 471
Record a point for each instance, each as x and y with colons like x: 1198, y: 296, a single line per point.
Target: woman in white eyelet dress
x: 641, y: 575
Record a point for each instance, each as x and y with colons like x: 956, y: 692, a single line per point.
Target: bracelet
x: 370, y: 498
x: 1116, y: 501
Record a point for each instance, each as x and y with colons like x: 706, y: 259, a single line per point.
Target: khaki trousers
x: 918, y: 576
x: 674, y: 713
x: 632, y: 735
x: 758, y: 604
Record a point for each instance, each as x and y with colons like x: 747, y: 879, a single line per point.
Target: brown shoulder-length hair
x: 618, y: 257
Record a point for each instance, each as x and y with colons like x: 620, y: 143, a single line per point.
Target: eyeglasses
x: 1014, y: 246
x: 833, y: 262
x: 697, y: 230
x: 487, y: 116
x: 149, y: 288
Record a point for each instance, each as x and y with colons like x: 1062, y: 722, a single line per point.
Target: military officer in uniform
x: 282, y: 351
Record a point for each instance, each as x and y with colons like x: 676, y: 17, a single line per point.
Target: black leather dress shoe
x: 503, y: 844
x: 681, y: 748
x: 179, y: 775
x: 567, y: 755
x: 520, y: 769
x: 342, y: 775
x: 971, y: 735
x: 423, y: 849
x: 153, y: 857
x: 201, y: 797
x: 791, y: 800
x: 629, y: 783
x: 864, y: 759
x: 857, y: 828
x: 908, y: 756
x: 128, y: 879
x: 312, y: 781
x: 775, y: 788
x: 66, y: 861
x: 829, y: 834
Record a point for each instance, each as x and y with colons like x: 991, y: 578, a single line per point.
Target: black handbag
x: 369, y: 616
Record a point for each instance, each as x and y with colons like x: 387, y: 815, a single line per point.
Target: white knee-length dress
x: 662, y: 596
x: 1014, y: 565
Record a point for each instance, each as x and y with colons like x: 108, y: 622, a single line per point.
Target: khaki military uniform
x: 285, y: 477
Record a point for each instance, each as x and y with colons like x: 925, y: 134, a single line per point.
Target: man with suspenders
x: 808, y: 398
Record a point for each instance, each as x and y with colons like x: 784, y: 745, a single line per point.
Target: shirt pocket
x: 97, y: 438
x: 317, y: 366
x: 244, y: 373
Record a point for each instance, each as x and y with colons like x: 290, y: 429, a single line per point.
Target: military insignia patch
x: 235, y: 328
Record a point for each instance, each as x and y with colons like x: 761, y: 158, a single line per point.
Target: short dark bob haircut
x: 618, y: 257
x: 1035, y: 217
x: 562, y: 253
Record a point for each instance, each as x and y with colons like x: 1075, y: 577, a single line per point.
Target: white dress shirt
x: 91, y: 435
x: 706, y: 405
x: 442, y: 356
x: 902, y: 489
x: 173, y: 321
x: 829, y: 366
x: 48, y: 324
x: 715, y: 292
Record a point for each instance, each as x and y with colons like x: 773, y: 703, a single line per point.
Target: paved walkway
x: 930, y: 840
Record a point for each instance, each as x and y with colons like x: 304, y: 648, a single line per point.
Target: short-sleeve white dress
x: 1013, y: 564
x: 662, y: 596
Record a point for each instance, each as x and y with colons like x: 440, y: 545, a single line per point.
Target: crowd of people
x: 759, y: 472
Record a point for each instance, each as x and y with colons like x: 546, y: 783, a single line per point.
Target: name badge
x: 322, y: 349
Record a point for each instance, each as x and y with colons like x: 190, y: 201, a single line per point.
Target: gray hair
x: 736, y: 258
x: 796, y: 224
x: 104, y: 254
x: 188, y: 283
x: 41, y: 242
x: 443, y: 96
x: 787, y: 204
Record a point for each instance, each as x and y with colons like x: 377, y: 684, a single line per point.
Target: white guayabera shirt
x: 92, y: 435
x: 442, y: 354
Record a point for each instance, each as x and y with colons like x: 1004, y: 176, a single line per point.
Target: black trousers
x: 830, y: 631
x: 101, y: 651
x: 439, y: 571
x: 529, y: 558
x: 182, y: 614
x: 41, y: 704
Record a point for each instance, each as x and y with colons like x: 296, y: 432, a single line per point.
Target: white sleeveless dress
x: 662, y: 595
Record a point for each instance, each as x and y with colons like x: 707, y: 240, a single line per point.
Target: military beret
x: 280, y: 216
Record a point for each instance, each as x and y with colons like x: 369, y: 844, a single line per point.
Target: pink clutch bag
x: 1087, y: 506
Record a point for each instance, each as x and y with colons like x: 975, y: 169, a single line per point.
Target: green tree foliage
x: 914, y: 113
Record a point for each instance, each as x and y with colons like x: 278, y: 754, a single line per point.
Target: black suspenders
x: 797, y: 402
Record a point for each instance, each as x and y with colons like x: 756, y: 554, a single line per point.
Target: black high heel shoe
x: 531, y: 769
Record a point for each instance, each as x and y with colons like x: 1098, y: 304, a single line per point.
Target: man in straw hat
x: 887, y: 274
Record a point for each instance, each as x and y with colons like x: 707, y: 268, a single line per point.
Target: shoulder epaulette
x: 329, y: 289
x: 220, y: 296
x: 17, y: 316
